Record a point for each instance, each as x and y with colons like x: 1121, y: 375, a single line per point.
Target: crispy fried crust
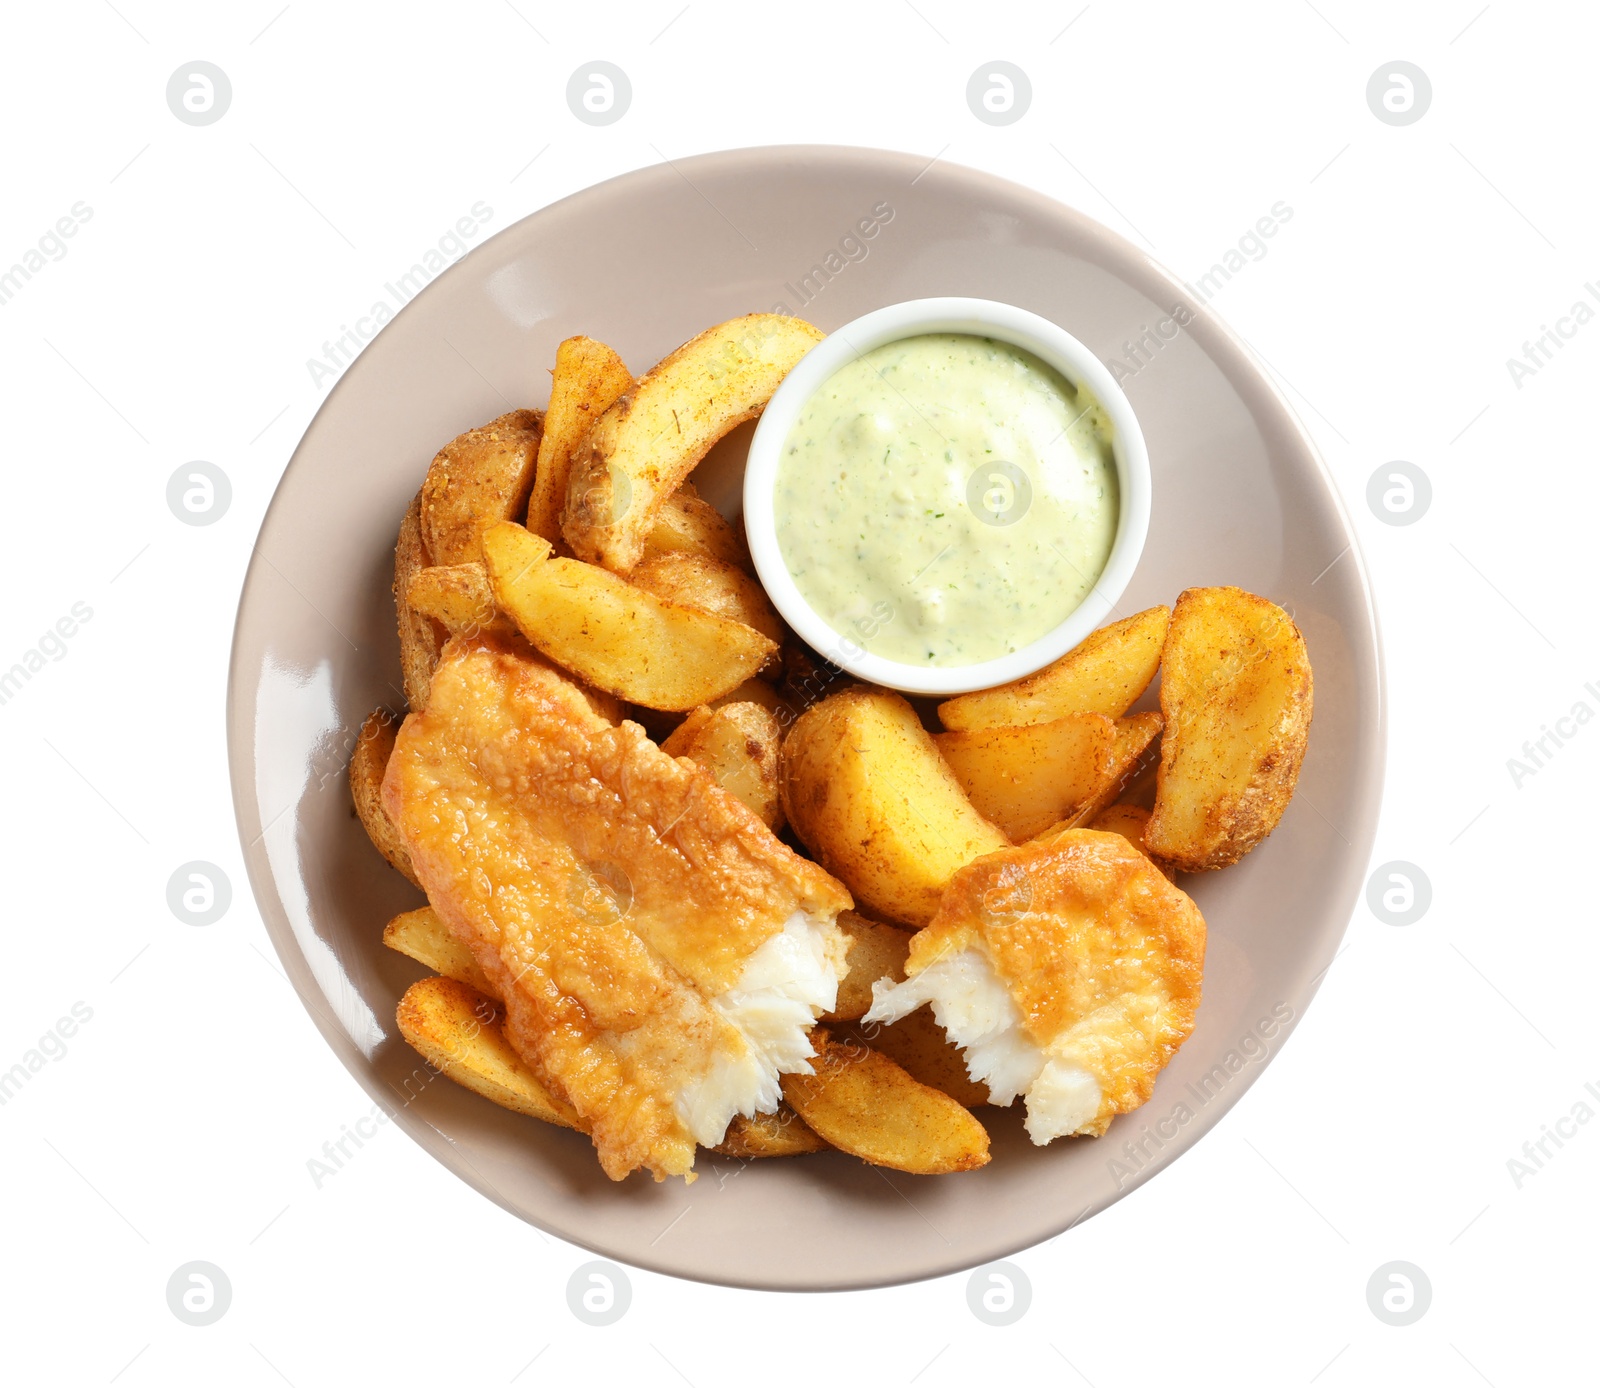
x: 421, y: 638
x: 1236, y: 693
x: 607, y: 891
x: 641, y: 448
x: 477, y: 479
x: 1101, y: 954
x: 367, y: 764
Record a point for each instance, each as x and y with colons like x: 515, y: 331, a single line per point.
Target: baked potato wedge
x: 1236, y: 696
x: 648, y: 442
x: 688, y: 524
x: 1130, y: 822
x: 738, y: 745
x: 1104, y: 673
x: 780, y: 1134
x: 476, y: 480
x: 457, y: 596
x: 876, y: 951
x: 588, y: 379
x: 861, y: 1102
x: 421, y: 638
x: 367, y: 762
x: 456, y: 1029
x: 918, y: 1045
x: 866, y: 790
x: 615, y: 636
x: 698, y: 580
x: 422, y: 936
x: 1025, y: 779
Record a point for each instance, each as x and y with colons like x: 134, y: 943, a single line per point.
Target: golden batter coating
x: 1101, y: 954
x: 607, y: 890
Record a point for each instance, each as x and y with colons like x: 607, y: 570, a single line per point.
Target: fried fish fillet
x: 1068, y: 971
x: 660, y: 953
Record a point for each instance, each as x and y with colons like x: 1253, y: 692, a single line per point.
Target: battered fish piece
x: 661, y: 955
x: 1068, y: 971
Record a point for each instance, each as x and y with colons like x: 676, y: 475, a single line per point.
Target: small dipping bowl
x: 1052, y: 345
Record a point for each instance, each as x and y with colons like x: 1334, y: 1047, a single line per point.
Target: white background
x: 179, y: 1123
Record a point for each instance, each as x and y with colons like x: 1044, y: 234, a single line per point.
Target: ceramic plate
x: 644, y: 262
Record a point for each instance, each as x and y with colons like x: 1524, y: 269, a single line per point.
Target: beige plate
x: 644, y: 262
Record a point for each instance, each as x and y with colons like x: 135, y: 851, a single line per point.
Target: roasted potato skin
x: 371, y: 755
x: 780, y: 1134
x: 866, y: 790
x: 647, y: 443
x: 476, y: 480
x: 423, y: 936
x: 688, y: 524
x: 1104, y: 673
x: 1236, y: 694
x: 698, y: 580
x: 458, y: 598
x: 588, y: 379
x: 421, y: 638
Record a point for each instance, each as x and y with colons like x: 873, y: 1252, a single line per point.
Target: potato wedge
x: 476, y: 480
x: 1236, y: 696
x: 687, y: 524
x: 876, y: 951
x: 615, y: 636
x: 367, y: 763
x: 780, y: 1134
x: 1104, y: 673
x: 1130, y: 822
x: 456, y: 1029
x: 759, y: 691
x: 457, y: 596
x: 738, y: 745
x: 421, y: 638
x: 588, y: 379
x: 863, y: 1103
x: 1134, y: 734
x: 698, y: 580
x: 868, y: 793
x: 1025, y: 779
x: 641, y: 448
x: 918, y: 1045
x: 421, y: 935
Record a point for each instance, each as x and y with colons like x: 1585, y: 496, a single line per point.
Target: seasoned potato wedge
x: 1236, y: 696
x: 738, y: 745
x: 876, y: 951
x: 868, y: 793
x: 918, y: 1045
x: 759, y: 691
x: 475, y: 481
x: 457, y: 596
x: 1130, y: 822
x: 456, y: 1029
x: 427, y: 939
x: 1104, y: 673
x: 641, y: 448
x: 421, y: 638
x: 367, y: 764
x: 863, y: 1103
x: 615, y: 636
x: 588, y: 379
x: 698, y: 580
x: 780, y: 1134
x: 687, y: 524
x: 1134, y: 734
x: 1025, y: 779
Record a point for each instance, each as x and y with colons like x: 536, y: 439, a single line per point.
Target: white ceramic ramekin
x: 984, y: 318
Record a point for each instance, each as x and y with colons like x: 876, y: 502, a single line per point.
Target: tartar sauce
x: 946, y: 499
